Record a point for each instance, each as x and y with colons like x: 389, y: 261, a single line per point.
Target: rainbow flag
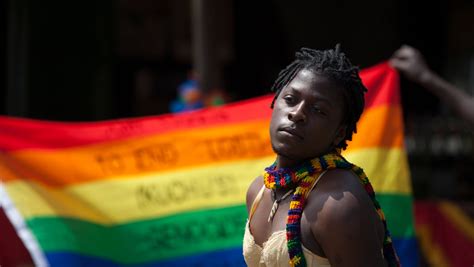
x: 170, y: 190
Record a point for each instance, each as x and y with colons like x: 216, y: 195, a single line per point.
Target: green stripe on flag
x: 178, y: 235
x: 144, y: 241
x: 398, y: 210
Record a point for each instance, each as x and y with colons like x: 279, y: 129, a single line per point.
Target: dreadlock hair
x: 334, y: 65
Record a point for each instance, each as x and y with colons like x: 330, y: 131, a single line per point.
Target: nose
x: 297, y: 113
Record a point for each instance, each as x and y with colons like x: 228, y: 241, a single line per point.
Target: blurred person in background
x: 411, y: 63
x: 190, y: 96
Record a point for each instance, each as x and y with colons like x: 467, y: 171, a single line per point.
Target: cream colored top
x: 274, y: 252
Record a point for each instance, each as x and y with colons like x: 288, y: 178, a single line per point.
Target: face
x: 306, y: 118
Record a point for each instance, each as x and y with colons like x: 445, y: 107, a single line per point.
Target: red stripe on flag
x: 382, y: 84
x: 18, y: 134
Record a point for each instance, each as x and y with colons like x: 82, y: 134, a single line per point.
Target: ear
x: 340, y: 134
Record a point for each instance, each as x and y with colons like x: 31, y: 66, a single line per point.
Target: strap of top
x: 315, y: 182
x: 256, y: 201
x: 259, y: 196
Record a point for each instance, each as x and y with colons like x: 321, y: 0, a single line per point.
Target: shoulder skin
x: 344, y: 221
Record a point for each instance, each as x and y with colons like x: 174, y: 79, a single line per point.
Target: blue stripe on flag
x: 226, y: 257
x: 407, y: 250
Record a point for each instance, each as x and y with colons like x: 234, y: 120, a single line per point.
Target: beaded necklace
x: 302, y: 177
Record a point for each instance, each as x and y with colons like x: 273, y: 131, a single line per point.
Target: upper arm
x: 347, y: 227
x: 252, y: 192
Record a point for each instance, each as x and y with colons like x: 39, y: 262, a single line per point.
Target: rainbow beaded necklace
x: 303, y: 177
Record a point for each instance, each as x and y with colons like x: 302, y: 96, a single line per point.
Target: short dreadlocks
x: 332, y: 64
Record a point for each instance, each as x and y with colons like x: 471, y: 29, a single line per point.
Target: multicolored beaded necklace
x: 303, y: 177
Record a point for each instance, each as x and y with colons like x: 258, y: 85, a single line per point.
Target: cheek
x: 275, y: 119
x: 324, y: 135
x: 273, y: 128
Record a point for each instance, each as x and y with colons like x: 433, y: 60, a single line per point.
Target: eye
x: 289, y: 99
x: 316, y: 109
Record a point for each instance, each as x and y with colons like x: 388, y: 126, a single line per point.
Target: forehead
x: 315, y: 84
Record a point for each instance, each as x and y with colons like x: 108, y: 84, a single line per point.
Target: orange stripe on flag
x: 153, y: 154
x: 381, y: 127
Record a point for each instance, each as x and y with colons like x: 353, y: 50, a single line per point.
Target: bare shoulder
x: 339, y: 194
x: 344, y: 222
x: 253, y: 190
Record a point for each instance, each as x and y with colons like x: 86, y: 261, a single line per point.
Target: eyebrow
x: 319, y: 98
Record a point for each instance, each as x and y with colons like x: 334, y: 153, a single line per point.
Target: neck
x: 286, y: 162
x: 283, y: 161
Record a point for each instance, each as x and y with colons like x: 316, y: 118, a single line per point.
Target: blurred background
x: 98, y: 60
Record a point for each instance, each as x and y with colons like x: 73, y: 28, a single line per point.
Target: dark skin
x: 412, y: 64
x: 339, y: 221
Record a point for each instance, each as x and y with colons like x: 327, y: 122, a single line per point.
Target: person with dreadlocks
x: 312, y: 207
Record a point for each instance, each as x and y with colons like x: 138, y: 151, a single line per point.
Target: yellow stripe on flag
x: 392, y: 163
x: 166, y: 193
x: 154, y: 195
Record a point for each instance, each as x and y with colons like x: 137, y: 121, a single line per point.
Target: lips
x: 292, y: 132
